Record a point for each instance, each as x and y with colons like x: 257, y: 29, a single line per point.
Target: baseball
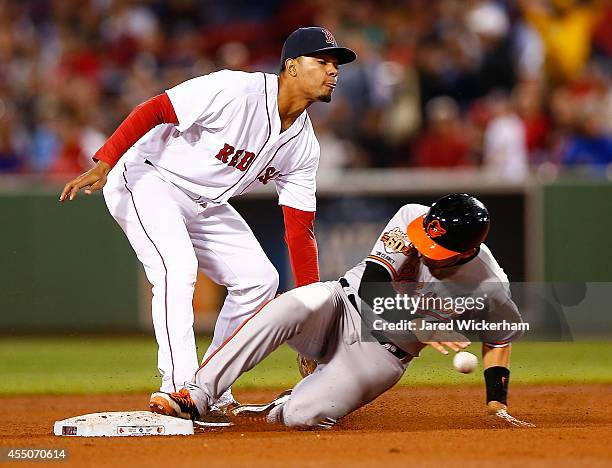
x: 465, y: 362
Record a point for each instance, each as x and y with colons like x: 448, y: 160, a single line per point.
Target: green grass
x: 128, y: 364
x: 108, y: 365
x: 531, y: 363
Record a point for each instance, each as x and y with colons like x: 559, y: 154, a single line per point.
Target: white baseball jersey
x: 169, y: 195
x: 229, y: 141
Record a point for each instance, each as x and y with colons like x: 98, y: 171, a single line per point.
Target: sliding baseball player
x: 361, y: 351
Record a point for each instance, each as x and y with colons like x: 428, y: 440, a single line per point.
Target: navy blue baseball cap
x: 314, y: 40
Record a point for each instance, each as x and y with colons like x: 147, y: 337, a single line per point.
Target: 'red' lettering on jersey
x: 228, y: 137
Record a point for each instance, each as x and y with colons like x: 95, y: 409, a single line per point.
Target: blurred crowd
x: 502, y: 84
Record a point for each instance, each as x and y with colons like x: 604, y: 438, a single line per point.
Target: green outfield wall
x: 70, y: 268
x: 64, y: 267
x: 577, y: 231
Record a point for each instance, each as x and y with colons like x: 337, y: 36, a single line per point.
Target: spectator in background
x: 12, y: 141
x: 602, y: 35
x: 79, y: 142
x: 566, y: 28
x: 491, y: 26
x: 101, y: 58
x: 606, y: 115
x: 528, y: 99
x: 10, y: 159
x: 339, y: 153
x: 504, y: 145
x: 366, y: 96
x: 234, y: 56
x: 45, y: 142
x: 589, y: 145
x: 528, y: 50
x: 444, y: 144
x: 582, y: 114
x: 468, y: 53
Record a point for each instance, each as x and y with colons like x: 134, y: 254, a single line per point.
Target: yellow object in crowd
x: 566, y: 37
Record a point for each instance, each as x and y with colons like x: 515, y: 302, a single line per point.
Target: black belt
x: 148, y: 162
x: 345, y: 284
x: 391, y: 347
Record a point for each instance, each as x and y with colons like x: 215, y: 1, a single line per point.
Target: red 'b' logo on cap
x: 434, y: 229
x: 329, y: 38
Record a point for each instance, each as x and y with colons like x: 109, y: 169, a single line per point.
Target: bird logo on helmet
x: 434, y: 229
x: 466, y: 224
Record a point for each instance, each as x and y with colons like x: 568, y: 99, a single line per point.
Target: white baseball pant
x: 173, y: 236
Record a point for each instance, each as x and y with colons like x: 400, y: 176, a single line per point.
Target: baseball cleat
x: 259, y: 413
x: 212, y: 419
x: 178, y: 404
x: 225, y: 406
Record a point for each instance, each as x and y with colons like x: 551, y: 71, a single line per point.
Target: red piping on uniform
x: 165, y: 274
x: 232, y: 336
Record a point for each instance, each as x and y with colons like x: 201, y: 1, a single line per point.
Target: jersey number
x: 240, y: 159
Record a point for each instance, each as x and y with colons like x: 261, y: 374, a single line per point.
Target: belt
x: 382, y: 340
x: 197, y: 200
x: 345, y: 284
x: 391, y: 347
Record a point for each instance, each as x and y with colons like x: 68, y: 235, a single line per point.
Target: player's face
x: 447, y: 262
x: 318, y: 76
x: 435, y: 264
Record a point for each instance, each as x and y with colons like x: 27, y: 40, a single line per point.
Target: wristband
x: 496, y: 380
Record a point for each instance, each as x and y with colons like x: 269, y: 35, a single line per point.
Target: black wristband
x: 496, y: 380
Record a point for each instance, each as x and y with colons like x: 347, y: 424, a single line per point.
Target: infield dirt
x: 443, y: 426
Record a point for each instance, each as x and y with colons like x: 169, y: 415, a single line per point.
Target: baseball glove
x: 305, y: 365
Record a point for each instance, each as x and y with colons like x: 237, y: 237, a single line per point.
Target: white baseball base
x: 122, y: 424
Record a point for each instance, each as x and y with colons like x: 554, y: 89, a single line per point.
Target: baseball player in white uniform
x: 177, y: 160
x: 428, y: 249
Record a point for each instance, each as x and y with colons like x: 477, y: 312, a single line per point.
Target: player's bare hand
x: 439, y: 339
x: 499, y: 411
x: 92, y: 180
x: 453, y: 345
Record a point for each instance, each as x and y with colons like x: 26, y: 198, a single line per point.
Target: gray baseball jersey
x: 481, y: 277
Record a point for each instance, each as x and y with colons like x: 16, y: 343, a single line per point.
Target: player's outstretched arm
x: 94, y: 179
x: 496, y: 361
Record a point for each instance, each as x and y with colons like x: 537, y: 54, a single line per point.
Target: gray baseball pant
x: 318, y: 322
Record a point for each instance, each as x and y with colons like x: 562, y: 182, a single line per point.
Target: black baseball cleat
x: 258, y: 413
x: 178, y: 404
